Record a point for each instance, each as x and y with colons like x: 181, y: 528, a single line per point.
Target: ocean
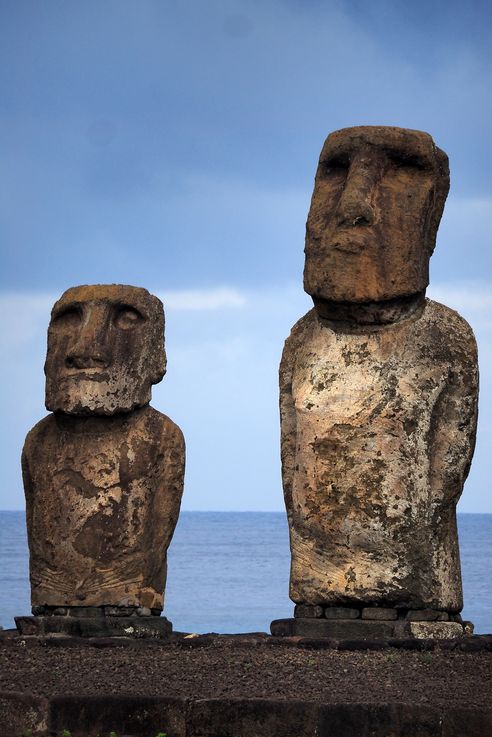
x: 229, y: 571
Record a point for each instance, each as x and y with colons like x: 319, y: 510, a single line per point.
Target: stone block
x: 465, y: 722
x: 341, y: 612
x: 435, y: 630
x: 251, y: 717
x: 427, y: 615
x: 282, y: 627
x: 379, y: 613
x: 21, y: 712
x: 310, y: 611
x: 91, y: 716
x: 134, y: 627
x: 339, y: 629
x: 378, y: 720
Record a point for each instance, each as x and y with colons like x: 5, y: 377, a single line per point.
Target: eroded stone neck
x: 369, y: 313
x: 97, y: 424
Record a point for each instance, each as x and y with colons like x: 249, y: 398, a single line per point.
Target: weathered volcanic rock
x: 103, y: 474
x: 378, y: 386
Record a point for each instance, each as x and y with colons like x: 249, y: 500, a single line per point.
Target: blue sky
x: 174, y: 146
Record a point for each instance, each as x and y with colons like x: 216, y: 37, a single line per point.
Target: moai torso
x: 103, y: 474
x: 378, y: 412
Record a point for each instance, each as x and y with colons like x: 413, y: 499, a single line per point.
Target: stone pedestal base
x: 363, y: 629
x: 95, y: 626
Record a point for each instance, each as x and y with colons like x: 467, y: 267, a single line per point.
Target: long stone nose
x: 354, y: 207
x: 90, y: 348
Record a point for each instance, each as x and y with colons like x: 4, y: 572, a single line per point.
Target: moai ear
x: 441, y: 192
x: 158, y: 364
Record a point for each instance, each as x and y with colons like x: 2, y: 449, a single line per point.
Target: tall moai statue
x: 378, y: 397
x: 103, y: 474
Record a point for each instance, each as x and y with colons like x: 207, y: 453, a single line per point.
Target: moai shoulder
x: 103, y: 474
x: 378, y: 387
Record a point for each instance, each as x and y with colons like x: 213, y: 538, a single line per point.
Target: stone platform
x: 370, y: 623
x: 95, y: 626
x: 242, y: 686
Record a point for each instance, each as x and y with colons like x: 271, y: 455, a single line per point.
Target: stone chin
x: 359, y: 278
x: 83, y: 396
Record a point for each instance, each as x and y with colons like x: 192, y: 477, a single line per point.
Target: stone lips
x: 378, y: 198
x: 105, y: 350
x: 378, y: 429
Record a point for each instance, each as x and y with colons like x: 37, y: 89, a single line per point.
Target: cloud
x: 224, y: 346
x: 472, y: 299
x: 202, y: 299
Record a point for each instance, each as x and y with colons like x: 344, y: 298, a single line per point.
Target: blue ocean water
x: 229, y: 571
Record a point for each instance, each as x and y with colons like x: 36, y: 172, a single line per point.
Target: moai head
x: 378, y: 198
x: 105, y: 350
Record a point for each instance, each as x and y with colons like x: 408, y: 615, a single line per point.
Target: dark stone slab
x: 339, y: 629
x: 353, y: 645
x: 366, y: 629
x: 379, y: 613
x: 465, y: 722
x: 134, y: 627
x: 308, y: 610
x: 20, y: 712
x: 378, y: 720
x: 282, y: 627
x: 251, y: 717
x: 139, y: 716
x: 341, y: 612
x: 427, y: 615
x: 146, y: 716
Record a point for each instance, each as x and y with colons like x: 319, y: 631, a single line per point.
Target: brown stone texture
x: 378, y: 386
x: 384, y: 613
x: 103, y: 474
x: 378, y: 197
x: 105, y: 350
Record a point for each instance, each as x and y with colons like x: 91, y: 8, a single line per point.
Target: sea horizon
x: 229, y: 571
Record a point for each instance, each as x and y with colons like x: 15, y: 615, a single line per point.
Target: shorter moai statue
x: 103, y: 474
x: 378, y: 398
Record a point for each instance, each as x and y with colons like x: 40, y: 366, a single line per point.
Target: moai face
x: 105, y: 350
x: 378, y: 198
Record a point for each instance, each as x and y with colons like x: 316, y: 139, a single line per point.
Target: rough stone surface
x: 306, y: 610
x: 244, y: 685
x: 435, y: 630
x: 378, y: 197
x: 374, y: 612
x: 338, y: 629
x: 378, y: 386
x: 341, y: 612
x: 427, y: 615
x: 103, y: 474
x: 102, y: 626
x: 105, y: 350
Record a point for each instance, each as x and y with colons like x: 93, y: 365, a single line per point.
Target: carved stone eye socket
x: 69, y: 318
x: 409, y: 162
x: 127, y: 317
x: 335, y: 167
